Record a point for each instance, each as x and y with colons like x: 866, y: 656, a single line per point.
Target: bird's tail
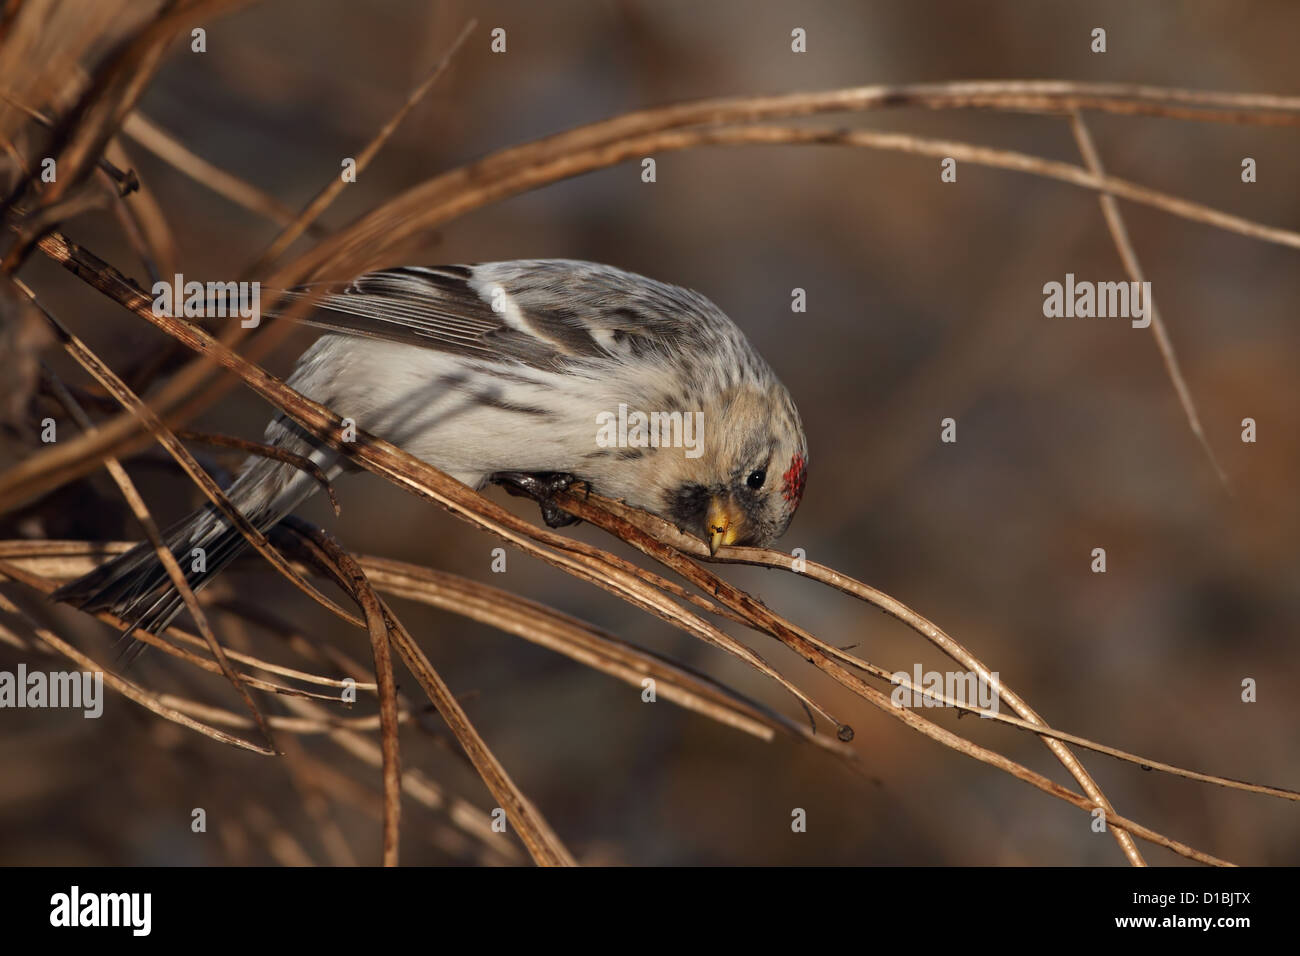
x: 136, y: 587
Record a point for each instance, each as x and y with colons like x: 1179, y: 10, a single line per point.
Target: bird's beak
x: 722, y: 523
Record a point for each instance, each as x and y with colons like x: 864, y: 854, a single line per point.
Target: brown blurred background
x: 924, y: 302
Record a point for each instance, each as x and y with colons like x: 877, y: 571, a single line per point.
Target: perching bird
x: 529, y: 373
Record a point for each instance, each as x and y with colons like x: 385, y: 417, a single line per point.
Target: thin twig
x: 301, y: 462
x: 322, y: 200
x: 176, y: 154
x: 380, y: 627
x: 1119, y: 232
x: 131, y: 690
x: 150, y: 527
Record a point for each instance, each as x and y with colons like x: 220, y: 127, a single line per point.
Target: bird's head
x: 747, y: 480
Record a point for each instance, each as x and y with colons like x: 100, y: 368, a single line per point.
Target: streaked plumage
x: 503, y: 368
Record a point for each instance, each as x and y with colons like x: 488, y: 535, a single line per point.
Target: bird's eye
x: 756, y: 478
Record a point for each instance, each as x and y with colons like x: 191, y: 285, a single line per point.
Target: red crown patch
x: 793, y: 480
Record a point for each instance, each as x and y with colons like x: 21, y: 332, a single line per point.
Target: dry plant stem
x: 353, y: 579
x: 456, y: 839
x: 145, y: 132
x: 1034, y: 95
x: 183, y: 396
x: 130, y: 225
x: 93, y: 364
x: 1013, y: 95
x: 330, y: 192
x: 120, y: 436
x: 45, y: 586
x: 42, y: 565
x: 126, y: 688
x: 420, y: 788
x: 28, y: 224
x: 344, y: 790
x: 597, y: 558
x: 294, y: 640
x: 301, y: 462
x: 169, y: 149
x: 768, y: 558
x: 189, y: 391
x: 81, y: 138
x: 586, y: 644
x: 357, y: 682
x: 815, y: 651
x: 462, y: 815
x: 147, y: 213
x: 192, y: 389
x: 538, y: 837
x: 1119, y: 232
x: 142, y: 515
x: 315, y: 801
x: 541, y: 841
x: 289, y: 725
x: 1044, y: 731
x: 124, y: 182
x: 608, y: 142
x: 509, y: 612
x: 936, y: 148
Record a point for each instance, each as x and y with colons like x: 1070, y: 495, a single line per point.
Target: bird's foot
x: 541, y: 487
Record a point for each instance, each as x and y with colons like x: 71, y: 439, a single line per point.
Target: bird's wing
x: 545, y: 313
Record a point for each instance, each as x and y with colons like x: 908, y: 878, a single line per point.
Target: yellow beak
x: 723, y: 524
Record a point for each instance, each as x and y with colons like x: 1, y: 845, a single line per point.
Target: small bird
x: 532, y: 374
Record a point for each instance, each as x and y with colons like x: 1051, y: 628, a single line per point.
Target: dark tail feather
x: 135, y: 586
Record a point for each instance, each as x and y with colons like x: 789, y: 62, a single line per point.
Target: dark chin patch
x: 754, y: 531
x: 687, y: 506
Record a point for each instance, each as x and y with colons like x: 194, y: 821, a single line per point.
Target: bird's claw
x: 541, y: 487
